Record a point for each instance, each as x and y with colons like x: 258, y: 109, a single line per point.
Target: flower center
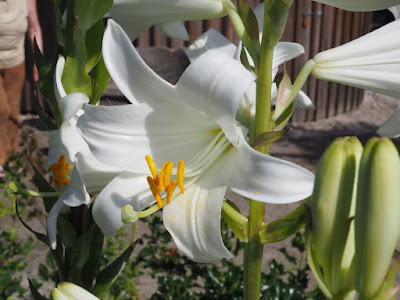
x: 60, y: 171
x: 160, y: 183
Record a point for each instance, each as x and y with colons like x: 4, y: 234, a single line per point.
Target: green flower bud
x: 332, y: 206
x: 128, y: 215
x: 377, y: 223
x: 70, y: 291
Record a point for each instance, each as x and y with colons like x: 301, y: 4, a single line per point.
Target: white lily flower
x: 395, y: 10
x: 371, y: 62
x: 360, y: 5
x: 391, y: 127
x: 135, y: 16
x: 192, y: 121
x: 71, y: 291
x: 88, y: 174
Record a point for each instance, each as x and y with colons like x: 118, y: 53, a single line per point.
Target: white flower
x: 371, y: 62
x: 360, y: 5
x: 395, y: 10
x: 391, y: 127
x: 135, y: 16
x: 70, y: 291
x: 192, y: 121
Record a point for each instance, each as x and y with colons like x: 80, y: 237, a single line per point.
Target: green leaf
x: 43, y: 186
x: 92, y: 267
x: 101, y: 80
x: 66, y: 232
x: 283, y: 228
x: 108, y: 275
x: 43, y: 117
x: 75, y: 78
x: 390, y: 279
x: 267, y: 138
x: 94, y: 38
x: 278, y: 13
x: 88, y: 12
x: 60, y: 32
x: 249, y: 19
x: 35, y: 294
x: 284, y: 118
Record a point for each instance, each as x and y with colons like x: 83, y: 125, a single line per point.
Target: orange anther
x: 152, y: 166
x: 156, y: 192
x: 60, y: 170
x: 179, y: 175
x: 170, y: 190
x: 167, y: 174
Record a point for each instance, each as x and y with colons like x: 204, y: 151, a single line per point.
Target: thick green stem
x: 301, y: 79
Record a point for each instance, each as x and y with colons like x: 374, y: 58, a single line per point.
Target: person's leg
x: 14, y: 79
x: 4, y: 115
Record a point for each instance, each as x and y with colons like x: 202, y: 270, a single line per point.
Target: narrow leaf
x: 249, y: 19
x: 266, y: 138
x: 43, y: 186
x: 35, y: 294
x: 94, y: 38
x: 108, y: 275
x: 88, y: 12
x: 390, y: 279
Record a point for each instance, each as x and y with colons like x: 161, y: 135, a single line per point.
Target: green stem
x: 301, y: 79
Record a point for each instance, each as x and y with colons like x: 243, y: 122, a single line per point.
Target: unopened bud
x: 129, y: 215
x: 377, y: 222
x: 70, y: 291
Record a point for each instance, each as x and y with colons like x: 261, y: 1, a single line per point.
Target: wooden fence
x: 317, y: 27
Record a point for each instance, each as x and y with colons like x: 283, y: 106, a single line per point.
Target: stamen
x: 167, y: 174
x: 179, y: 175
x: 160, y: 183
x: 152, y: 166
x: 170, y: 190
x: 60, y: 170
x: 156, y: 193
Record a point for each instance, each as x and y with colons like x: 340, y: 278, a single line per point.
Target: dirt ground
x: 303, y: 145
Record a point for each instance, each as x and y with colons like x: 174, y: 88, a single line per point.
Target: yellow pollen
x: 179, y: 175
x: 155, y: 191
x: 152, y: 166
x: 60, y: 170
x: 170, y: 190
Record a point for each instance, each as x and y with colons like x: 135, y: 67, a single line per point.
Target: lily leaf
x: 283, y: 228
x: 284, y: 118
x: 390, y: 279
x: 109, y: 274
x: 249, y: 19
x: 268, y: 137
x: 44, y: 186
x: 66, y: 232
x: 94, y: 38
x: 88, y: 12
x: 91, y: 268
x: 35, y: 294
x: 101, y: 79
x: 278, y: 13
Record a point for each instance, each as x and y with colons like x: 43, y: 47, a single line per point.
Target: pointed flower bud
x: 377, y: 222
x: 332, y: 204
x: 70, y: 291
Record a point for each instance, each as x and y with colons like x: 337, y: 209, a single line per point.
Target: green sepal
x: 43, y: 186
x: 75, y: 78
x: 285, y: 227
x: 34, y: 292
x: 235, y: 220
x: 267, y: 138
x: 278, y: 12
x: 88, y: 12
x: 109, y: 274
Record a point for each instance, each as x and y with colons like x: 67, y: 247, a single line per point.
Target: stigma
x: 60, y: 172
x: 159, y: 183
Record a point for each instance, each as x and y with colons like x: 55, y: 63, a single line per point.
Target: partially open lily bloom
x: 135, y: 16
x: 71, y: 291
x: 192, y: 121
x: 360, y: 5
x: 371, y: 62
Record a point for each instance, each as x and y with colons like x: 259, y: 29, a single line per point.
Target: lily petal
x: 269, y: 179
x: 175, y: 30
x: 360, y: 5
x: 58, y: 86
x: 370, y: 62
x: 71, y: 291
x: 51, y: 222
x: 391, y: 127
x: 71, y: 104
x: 395, y: 10
x: 194, y: 218
x: 216, y: 75
x: 125, y: 189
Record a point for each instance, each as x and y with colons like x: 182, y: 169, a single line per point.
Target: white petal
x: 122, y: 136
x: 175, y: 30
x: 58, y: 86
x: 75, y: 194
x: 215, y: 84
x: 126, y: 188
x: 269, y: 179
x: 283, y: 52
x: 209, y: 40
x: 71, y: 104
x: 136, y: 80
x: 138, y: 15
x: 56, y: 149
x: 193, y: 219
x: 71, y: 142
x: 360, y: 5
x: 51, y: 222
x: 391, y: 127
x: 75, y: 292
x: 395, y: 10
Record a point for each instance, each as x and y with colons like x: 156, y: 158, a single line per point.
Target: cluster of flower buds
x: 355, y: 223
